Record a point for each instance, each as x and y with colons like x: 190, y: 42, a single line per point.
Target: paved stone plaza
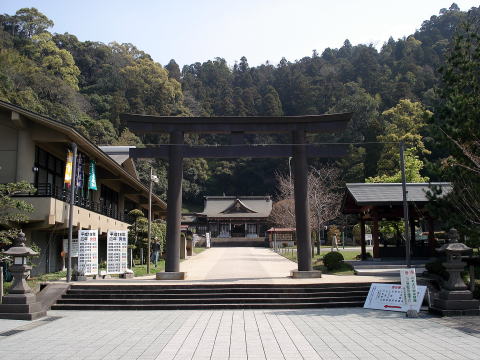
x: 251, y: 265
x: 250, y: 334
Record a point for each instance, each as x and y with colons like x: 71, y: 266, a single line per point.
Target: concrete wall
x: 50, y: 211
x: 8, y: 154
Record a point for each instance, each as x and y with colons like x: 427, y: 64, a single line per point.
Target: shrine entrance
x: 237, y: 127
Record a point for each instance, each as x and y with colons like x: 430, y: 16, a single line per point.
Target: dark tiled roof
x: 390, y: 193
x: 252, y: 206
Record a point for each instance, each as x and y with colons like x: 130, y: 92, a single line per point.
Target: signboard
x: 74, y: 247
x: 207, y: 240
x: 368, y: 239
x: 408, y: 280
x: 88, y: 251
x: 390, y: 297
x: 117, y: 245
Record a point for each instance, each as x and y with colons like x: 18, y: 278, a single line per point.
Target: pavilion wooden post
x: 412, y: 233
x: 375, y: 237
x: 302, y: 218
x: 431, y: 236
x: 174, y: 201
x: 363, y: 244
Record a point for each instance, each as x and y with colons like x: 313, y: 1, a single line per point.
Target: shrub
x: 368, y: 256
x: 436, y: 267
x: 333, y: 260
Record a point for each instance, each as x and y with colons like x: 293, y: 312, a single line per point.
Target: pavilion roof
x: 364, y: 194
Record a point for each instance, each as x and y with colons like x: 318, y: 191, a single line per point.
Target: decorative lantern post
x: 21, y: 303
x: 455, y: 298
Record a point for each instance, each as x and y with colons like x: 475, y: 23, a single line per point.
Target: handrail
x: 62, y: 194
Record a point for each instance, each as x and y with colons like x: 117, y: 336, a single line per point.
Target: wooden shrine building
x: 375, y: 202
x: 232, y: 216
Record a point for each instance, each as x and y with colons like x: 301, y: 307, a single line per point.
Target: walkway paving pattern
x: 248, y: 265
x: 249, y: 334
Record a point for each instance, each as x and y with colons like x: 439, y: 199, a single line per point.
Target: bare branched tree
x: 465, y: 196
x: 324, y: 196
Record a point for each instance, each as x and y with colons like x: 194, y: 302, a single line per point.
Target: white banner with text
x: 117, y: 247
x: 88, y: 251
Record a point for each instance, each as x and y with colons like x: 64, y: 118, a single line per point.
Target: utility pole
x: 70, y: 213
x: 153, y: 179
x: 405, y: 204
x: 149, y: 219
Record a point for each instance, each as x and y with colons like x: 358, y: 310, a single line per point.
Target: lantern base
x: 22, y: 311
x: 21, y: 307
x: 456, y: 303
x: 23, y: 316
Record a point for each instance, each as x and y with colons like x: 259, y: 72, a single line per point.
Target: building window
x: 50, y: 174
x: 109, y: 200
x: 251, y: 229
x: 129, y: 205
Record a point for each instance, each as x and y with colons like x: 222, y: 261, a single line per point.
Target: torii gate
x: 236, y: 126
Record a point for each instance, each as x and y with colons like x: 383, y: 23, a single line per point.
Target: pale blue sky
x: 191, y: 31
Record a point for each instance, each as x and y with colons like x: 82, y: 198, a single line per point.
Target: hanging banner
x: 92, y: 178
x: 79, y: 172
x: 68, y: 168
x: 390, y: 297
x: 117, y: 246
x: 88, y: 251
x: 408, y: 280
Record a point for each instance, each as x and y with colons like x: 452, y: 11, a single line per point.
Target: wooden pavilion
x: 375, y: 202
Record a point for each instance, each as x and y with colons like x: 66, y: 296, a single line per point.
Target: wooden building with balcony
x: 33, y: 148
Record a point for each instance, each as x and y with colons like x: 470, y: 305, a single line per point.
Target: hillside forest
x: 422, y: 89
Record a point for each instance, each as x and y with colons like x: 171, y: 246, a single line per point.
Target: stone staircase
x: 212, y: 296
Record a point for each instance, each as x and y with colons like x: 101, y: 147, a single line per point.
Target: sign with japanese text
x: 74, y: 247
x: 88, y: 251
x: 117, y: 246
x: 408, y: 279
x: 207, y: 240
x: 390, y: 297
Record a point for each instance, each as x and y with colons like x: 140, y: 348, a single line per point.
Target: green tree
x: 173, y: 70
x: 413, y: 167
x: 13, y: 210
x: 404, y: 122
x: 56, y: 61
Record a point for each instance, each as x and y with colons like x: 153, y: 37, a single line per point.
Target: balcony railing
x: 49, y: 190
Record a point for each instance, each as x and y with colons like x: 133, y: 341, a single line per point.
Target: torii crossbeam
x: 176, y: 150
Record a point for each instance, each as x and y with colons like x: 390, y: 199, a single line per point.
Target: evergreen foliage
x: 391, y: 92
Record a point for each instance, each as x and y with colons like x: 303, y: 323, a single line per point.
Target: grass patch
x: 141, y: 270
x: 198, y: 250
x: 344, y: 269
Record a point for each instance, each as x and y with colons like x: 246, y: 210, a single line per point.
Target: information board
x: 390, y: 297
x: 74, y: 247
x: 408, y: 280
x: 207, y: 240
x: 88, y: 251
x: 117, y: 247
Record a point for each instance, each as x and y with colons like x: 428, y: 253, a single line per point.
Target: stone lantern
x: 455, y: 298
x: 21, y: 303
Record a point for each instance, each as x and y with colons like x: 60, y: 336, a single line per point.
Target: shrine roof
x: 237, y: 207
x: 363, y: 194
